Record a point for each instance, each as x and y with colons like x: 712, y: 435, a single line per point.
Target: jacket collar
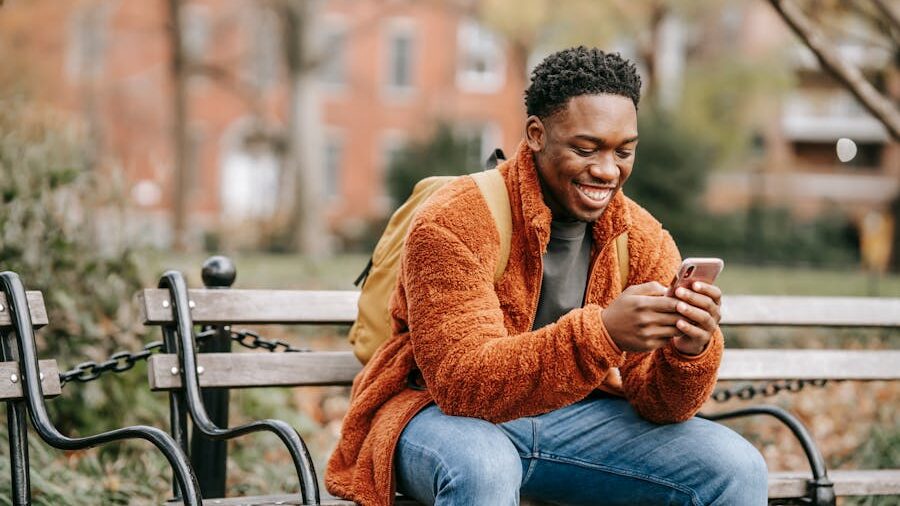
x: 537, y: 217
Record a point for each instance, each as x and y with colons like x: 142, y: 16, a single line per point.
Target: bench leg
x: 18, y: 453
x: 208, y: 456
x: 17, y: 428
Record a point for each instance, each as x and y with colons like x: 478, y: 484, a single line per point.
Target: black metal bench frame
x: 18, y: 345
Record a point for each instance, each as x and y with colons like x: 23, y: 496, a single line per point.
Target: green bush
x: 669, y: 179
x: 443, y: 154
x: 51, y: 238
x: 669, y: 176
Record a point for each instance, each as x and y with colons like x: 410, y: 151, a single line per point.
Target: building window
x: 393, y: 146
x: 481, y: 64
x: 400, y: 55
x: 245, y: 176
x: 333, y: 158
x: 265, y: 48
x: 195, y: 31
x: 333, y: 71
x: 87, y: 43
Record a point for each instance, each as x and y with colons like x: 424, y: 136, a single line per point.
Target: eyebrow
x: 598, y: 140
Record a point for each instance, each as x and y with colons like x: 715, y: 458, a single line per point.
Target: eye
x: 624, y: 153
x: 582, y: 151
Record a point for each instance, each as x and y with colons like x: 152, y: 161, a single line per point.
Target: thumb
x: 651, y: 288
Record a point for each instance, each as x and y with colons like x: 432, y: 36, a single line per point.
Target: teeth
x: 595, y: 194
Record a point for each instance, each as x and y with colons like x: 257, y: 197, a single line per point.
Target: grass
x: 261, y: 270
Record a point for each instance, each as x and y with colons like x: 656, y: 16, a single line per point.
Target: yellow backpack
x: 379, y: 278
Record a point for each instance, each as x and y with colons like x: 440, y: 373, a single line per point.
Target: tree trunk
x: 181, y: 180
x: 305, y: 228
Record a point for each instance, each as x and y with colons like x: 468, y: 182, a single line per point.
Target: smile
x: 595, y: 193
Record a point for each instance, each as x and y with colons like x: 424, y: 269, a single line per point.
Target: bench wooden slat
x: 35, y: 304
x: 811, y: 311
x: 236, y: 370
x: 757, y: 364
x: 339, y: 306
x: 10, y: 390
x: 846, y: 483
x: 254, y: 306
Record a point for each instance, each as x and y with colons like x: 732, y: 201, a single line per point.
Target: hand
x: 642, y: 318
x: 701, y: 308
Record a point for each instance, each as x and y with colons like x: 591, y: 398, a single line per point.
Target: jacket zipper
x: 537, y: 295
x: 419, y: 407
x: 590, y: 282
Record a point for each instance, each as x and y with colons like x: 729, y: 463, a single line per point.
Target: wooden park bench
x: 25, y: 382
x: 179, y: 310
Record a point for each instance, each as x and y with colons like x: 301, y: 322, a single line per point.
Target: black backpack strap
x: 364, y: 274
x: 496, y: 157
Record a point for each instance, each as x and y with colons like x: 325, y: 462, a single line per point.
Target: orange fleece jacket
x: 472, y: 340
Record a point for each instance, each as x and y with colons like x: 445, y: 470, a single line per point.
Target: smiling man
x: 559, y: 382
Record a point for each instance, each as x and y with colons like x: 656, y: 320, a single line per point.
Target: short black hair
x: 579, y: 71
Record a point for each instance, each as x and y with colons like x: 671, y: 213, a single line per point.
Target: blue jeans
x: 597, y: 451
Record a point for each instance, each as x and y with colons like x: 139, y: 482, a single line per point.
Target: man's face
x: 584, y: 154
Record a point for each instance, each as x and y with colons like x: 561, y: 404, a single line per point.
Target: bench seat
x: 782, y: 485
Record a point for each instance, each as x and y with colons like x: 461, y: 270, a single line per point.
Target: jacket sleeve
x: 665, y: 385
x: 471, y: 364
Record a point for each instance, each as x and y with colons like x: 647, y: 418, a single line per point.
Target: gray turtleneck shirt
x: 566, y: 265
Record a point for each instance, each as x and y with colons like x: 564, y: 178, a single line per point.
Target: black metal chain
x: 252, y: 340
x: 118, y: 362
x: 768, y: 389
x: 124, y: 360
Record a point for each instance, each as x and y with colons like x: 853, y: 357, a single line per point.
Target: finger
x: 693, y: 332
x: 697, y: 299
x: 656, y: 303
x: 653, y: 319
x: 711, y: 291
x: 660, y: 332
x: 652, y: 288
x: 697, y: 316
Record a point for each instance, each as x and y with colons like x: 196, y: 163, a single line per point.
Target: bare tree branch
x: 876, y: 103
x: 889, y: 12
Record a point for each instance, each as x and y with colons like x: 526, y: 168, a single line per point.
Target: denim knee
x: 486, y: 468
x: 738, y: 472
x: 450, y: 461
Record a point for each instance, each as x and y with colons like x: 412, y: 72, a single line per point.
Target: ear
x: 535, y: 134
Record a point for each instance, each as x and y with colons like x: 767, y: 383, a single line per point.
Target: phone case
x: 696, y: 269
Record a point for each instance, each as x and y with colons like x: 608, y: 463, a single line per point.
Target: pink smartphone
x: 696, y: 269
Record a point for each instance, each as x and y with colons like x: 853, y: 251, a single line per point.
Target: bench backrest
x: 300, y: 307
x: 215, y: 306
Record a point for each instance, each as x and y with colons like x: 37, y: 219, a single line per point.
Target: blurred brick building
x: 383, y: 73
x: 796, y: 166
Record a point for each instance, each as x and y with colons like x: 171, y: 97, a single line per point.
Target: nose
x: 604, y: 167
